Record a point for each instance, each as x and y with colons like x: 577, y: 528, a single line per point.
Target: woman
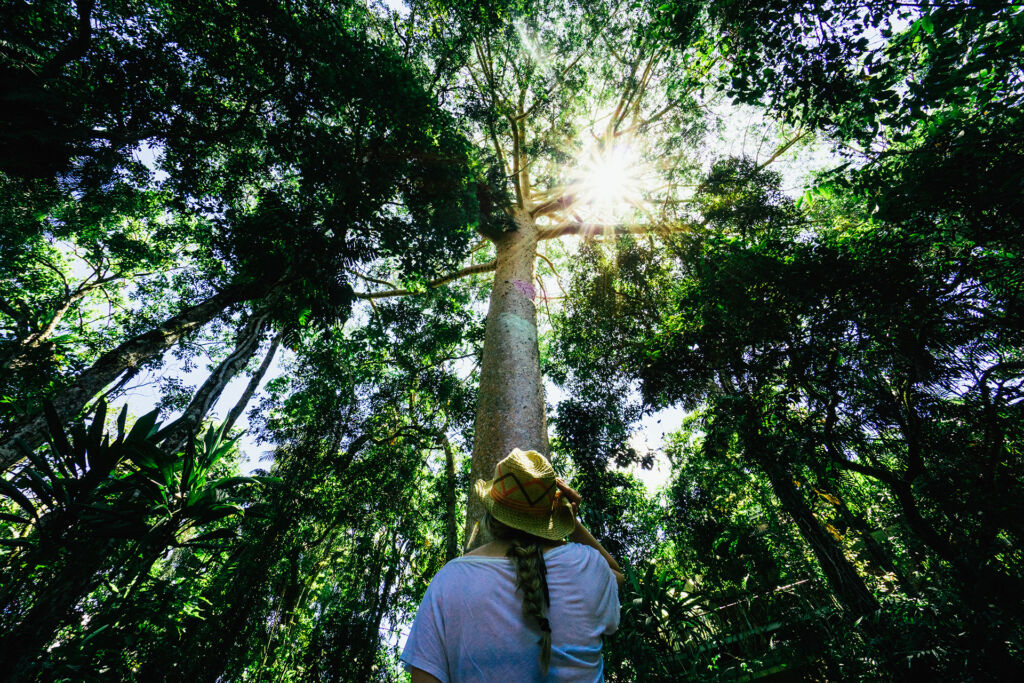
x: 527, y: 606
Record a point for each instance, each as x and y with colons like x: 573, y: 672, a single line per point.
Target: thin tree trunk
x: 110, y: 365
x: 879, y: 554
x: 175, y: 435
x: 451, y: 547
x: 510, y: 404
x: 846, y: 583
x: 24, y: 348
x: 254, y: 383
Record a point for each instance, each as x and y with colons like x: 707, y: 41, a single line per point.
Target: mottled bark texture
x: 175, y: 435
x: 112, y: 364
x: 510, y: 406
x: 253, y: 385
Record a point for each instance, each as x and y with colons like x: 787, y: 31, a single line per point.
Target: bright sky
x: 143, y: 394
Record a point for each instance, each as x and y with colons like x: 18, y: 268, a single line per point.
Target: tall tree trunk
x: 510, y: 406
x: 175, y: 435
x: 23, y: 349
x: 110, y: 365
x: 451, y: 547
x: 878, y: 553
x: 846, y: 583
x: 253, y: 385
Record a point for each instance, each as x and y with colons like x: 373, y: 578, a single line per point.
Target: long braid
x: 531, y: 580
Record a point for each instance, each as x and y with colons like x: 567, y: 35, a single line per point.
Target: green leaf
x: 78, y: 441
x: 95, y: 434
x: 143, y: 427
x: 8, y: 489
x: 40, y: 462
x: 121, y: 419
x: 205, y: 515
x: 14, y: 518
x: 226, y: 482
x: 38, y: 485
x: 210, y: 440
x: 95, y: 633
x: 56, y: 430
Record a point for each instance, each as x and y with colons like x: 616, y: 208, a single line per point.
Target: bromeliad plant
x: 71, y: 485
x: 93, y: 509
x: 181, y: 493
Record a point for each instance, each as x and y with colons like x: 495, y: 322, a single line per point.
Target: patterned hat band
x: 519, y: 506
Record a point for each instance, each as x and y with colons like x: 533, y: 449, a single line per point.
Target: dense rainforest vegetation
x: 391, y: 241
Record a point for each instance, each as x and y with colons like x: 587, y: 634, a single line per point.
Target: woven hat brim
x: 554, y: 526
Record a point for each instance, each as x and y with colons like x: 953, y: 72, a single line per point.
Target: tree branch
x: 367, y: 278
x: 445, y: 279
x: 581, y: 228
x: 560, y: 203
x: 78, y: 45
x: 783, y: 148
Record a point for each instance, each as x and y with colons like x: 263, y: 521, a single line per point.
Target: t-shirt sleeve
x: 424, y: 648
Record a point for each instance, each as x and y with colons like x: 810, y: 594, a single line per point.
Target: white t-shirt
x: 470, y: 625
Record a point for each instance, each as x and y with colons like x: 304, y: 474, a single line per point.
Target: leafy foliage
x: 186, y: 185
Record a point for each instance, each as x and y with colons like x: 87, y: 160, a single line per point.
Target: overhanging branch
x: 560, y: 203
x: 581, y: 228
x: 444, y: 279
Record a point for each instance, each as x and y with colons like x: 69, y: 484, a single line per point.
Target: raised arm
x: 581, y: 535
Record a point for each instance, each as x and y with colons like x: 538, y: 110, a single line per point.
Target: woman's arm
x: 421, y: 676
x: 581, y: 535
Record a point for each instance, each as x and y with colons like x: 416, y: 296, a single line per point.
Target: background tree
x: 290, y: 191
x: 297, y: 192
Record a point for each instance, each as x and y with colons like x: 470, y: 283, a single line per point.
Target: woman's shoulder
x: 569, y: 553
x: 581, y: 550
x: 456, y: 569
x: 575, y: 554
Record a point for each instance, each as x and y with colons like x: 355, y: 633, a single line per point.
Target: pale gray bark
x: 254, y: 383
x: 112, y: 364
x: 510, y: 405
x: 175, y: 435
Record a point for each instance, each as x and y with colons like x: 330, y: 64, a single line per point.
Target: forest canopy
x: 280, y: 280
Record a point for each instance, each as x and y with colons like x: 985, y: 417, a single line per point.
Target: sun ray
x: 610, y: 183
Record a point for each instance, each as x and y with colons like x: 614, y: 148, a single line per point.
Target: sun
x: 610, y: 183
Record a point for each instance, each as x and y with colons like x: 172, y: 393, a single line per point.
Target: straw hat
x: 522, y: 495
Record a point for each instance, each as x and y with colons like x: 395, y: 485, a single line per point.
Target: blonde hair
x: 527, y: 555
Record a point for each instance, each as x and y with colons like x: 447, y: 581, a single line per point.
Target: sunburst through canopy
x: 610, y: 183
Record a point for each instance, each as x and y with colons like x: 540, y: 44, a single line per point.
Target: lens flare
x: 610, y: 185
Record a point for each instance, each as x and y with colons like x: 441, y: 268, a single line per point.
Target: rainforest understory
x: 280, y: 280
